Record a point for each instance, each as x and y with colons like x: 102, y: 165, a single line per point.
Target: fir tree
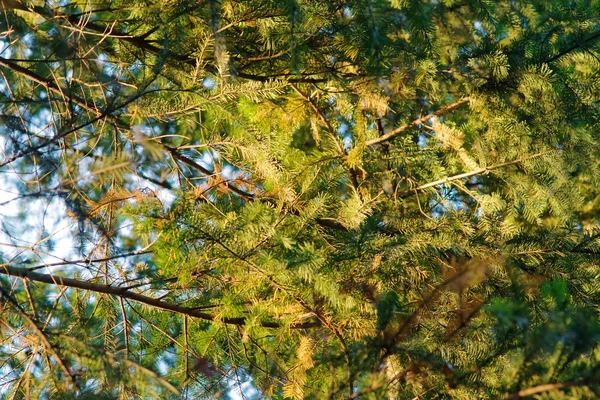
x: 300, y: 199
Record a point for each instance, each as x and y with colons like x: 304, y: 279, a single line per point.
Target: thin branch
x: 321, y: 115
x: 393, y: 340
x: 471, y: 173
x: 332, y: 132
x: 191, y: 163
x: 30, y: 298
x: 52, y: 86
x: 374, y: 387
x: 125, y: 326
x: 574, y: 47
x: 465, y: 322
x: 324, y: 222
x: 323, y: 318
x: 184, y: 346
x: 416, y: 122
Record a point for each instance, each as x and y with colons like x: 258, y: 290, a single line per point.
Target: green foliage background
x: 300, y: 199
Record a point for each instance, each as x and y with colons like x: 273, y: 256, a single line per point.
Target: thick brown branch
x: 126, y: 294
x: 543, y: 388
x: 416, y: 122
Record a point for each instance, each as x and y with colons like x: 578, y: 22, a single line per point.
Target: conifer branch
x: 404, y: 128
x: 141, y: 42
x: 324, y: 222
x: 48, y: 83
x: 391, y: 341
x: 171, y: 338
x: 323, y: 318
x: 469, y: 174
x: 191, y: 163
x: 124, y: 293
x: 321, y: 115
x: 113, y: 359
x: 332, y: 132
x: 378, y: 385
x: 76, y: 99
x: 42, y: 335
x: 574, y: 47
x: 54, y: 87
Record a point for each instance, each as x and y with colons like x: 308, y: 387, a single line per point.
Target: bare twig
x: 90, y: 261
x: 543, y: 388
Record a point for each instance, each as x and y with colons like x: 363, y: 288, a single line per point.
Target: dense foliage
x: 300, y: 199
